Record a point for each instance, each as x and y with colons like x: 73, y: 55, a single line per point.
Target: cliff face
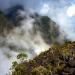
x: 58, y: 60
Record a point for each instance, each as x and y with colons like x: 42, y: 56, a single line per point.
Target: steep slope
x: 5, y: 24
x: 32, y: 33
x: 47, y: 28
x: 58, y: 60
x: 18, y: 27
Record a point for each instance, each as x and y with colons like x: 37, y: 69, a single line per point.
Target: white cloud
x: 45, y: 9
x: 71, y: 11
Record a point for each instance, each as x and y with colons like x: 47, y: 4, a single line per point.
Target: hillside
x: 5, y: 24
x: 43, y: 26
x: 58, y: 60
x: 48, y: 29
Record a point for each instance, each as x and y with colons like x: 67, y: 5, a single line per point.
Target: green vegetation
x: 41, y: 70
x: 5, y: 24
x: 58, y: 60
x: 21, y: 57
x: 48, y: 28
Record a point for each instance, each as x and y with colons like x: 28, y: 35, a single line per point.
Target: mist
x: 30, y: 38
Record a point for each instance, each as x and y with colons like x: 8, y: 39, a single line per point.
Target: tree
x: 41, y: 70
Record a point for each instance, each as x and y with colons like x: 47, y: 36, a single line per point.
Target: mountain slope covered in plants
x: 58, y: 60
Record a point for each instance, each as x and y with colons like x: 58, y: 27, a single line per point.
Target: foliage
x: 22, y: 56
x: 14, y: 64
x: 48, y: 28
x: 39, y: 71
x: 5, y: 24
x: 19, y: 70
x: 58, y: 60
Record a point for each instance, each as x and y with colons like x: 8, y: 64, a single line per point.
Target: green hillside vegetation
x: 5, y: 24
x: 48, y: 28
x: 58, y: 60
